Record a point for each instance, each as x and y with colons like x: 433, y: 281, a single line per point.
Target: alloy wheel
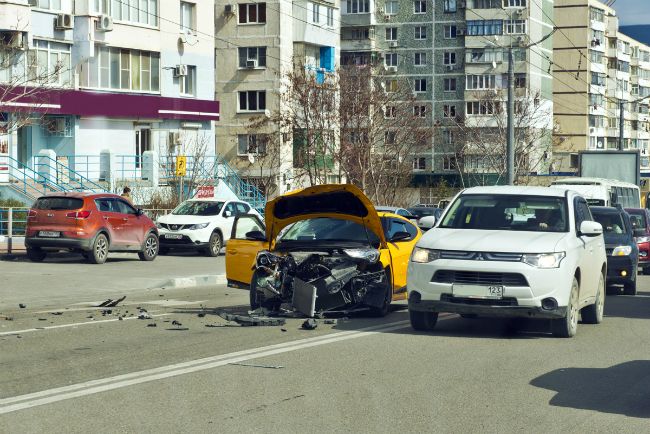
x: 151, y: 246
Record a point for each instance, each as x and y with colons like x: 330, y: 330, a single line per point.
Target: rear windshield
x: 612, y: 222
x: 638, y: 221
x: 58, y: 203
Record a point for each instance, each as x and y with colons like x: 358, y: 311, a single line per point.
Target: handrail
x: 29, y: 173
x: 78, y: 177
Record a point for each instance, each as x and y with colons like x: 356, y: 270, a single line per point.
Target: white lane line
x: 61, y: 326
x: 35, y: 399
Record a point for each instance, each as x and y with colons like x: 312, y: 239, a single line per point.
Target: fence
x: 12, y: 224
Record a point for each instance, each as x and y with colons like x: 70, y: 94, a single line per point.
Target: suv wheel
x: 593, y: 314
x: 629, y: 288
x: 150, y: 248
x: 566, y: 327
x: 35, y: 254
x: 214, y: 245
x: 99, y: 251
x: 423, y: 321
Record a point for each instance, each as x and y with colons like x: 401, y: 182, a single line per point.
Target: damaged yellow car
x: 321, y: 249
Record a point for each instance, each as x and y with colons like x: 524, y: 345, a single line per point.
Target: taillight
x: 31, y: 214
x: 78, y: 215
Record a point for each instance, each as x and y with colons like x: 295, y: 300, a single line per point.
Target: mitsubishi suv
x: 506, y: 251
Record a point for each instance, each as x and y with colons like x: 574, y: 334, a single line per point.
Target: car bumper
x: 59, y: 243
x: 617, y: 265
x: 644, y: 254
x: 469, y: 306
x: 188, y: 239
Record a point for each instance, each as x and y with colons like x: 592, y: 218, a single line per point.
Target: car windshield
x: 422, y: 211
x: 508, y: 212
x: 328, y: 230
x: 637, y: 220
x: 200, y: 208
x: 612, y: 222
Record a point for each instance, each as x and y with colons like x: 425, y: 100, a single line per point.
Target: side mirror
x: 227, y: 214
x: 400, y: 236
x: 590, y: 229
x: 639, y: 233
x: 255, y: 236
x: 427, y: 222
x: 139, y: 212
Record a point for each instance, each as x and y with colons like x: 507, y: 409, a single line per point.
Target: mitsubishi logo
x: 479, y: 257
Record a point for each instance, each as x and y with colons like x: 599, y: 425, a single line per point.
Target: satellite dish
x: 251, y: 158
x: 267, y: 113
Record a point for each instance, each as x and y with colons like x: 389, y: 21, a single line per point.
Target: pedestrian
x: 126, y: 194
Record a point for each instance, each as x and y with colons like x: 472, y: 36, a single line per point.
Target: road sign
x: 181, y: 165
x: 205, y: 191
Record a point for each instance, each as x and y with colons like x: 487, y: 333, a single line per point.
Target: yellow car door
x: 400, y: 248
x: 241, y: 250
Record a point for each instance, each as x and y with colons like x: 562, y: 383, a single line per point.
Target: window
x: 420, y: 32
x: 419, y: 111
x: 597, y: 14
x: 255, y: 54
x: 481, y: 82
x: 515, y: 27
x: 118, y: 68
x: 449, y: 5
x: 483, y: 108
x: 420, y: 7
x: 485, y: 56
x: 484, y: 27
x: 596, y: 56
x: 251, y: 13
x: 252, y: 100
x: 514, y: 3
x: 487, y: 4
x: 390, y: 137
x: 448, y: 137
x: 330, y: 17
x: 596, y: 100
x: 391, y: 33
x: 315, y: 12
x: 449, y: 84
x: 188, y: 17
x: 449, y: 58
x: 391, y: 8
x: 390, y: 112
x: 46, y: 4
x: 358, y: 6
x: 450, y: 32
x: 596, y: 121
x: 391, y: 85
x: 144, y: 12
x: 246, y: 224
x: 449, y: 163
x: 251, y: 144
x: 420, y: 85
x: 49, y: 62
x: 419, y: 163
x: 390, y: 59
x: 448, y: 111
x: 598, y: 79
x: 187, y: 82
x: 419, y: 58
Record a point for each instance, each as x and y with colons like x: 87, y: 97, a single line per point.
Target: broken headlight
x: 266, y: 259
x: 369, y: 255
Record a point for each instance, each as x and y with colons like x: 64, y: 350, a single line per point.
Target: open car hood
x: 344, y: 201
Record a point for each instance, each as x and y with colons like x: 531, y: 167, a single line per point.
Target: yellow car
x: 324, y: 248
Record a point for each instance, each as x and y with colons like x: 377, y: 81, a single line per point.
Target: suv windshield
x: 328, y: 229
x: 58, y: 203
x: 508, y: 212
x: 198, y: 208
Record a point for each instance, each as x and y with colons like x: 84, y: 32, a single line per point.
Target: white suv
x: 200, y: 224
x: 531, y: 252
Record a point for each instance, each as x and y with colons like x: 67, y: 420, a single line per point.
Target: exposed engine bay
x: 319, y: 281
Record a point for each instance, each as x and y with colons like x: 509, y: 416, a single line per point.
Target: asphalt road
x: 81, y: 371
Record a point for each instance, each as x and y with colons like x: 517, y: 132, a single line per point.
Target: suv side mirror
x: 400, y: 236
x: 227, y: 214
x: 255, y: 236
x: 139, y: 212
x: 590, y: 229
x: 639, y: 233
x: 427, y: 222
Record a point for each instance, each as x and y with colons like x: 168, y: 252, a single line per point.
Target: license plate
x: 49, y: 234
x: 173, y: 236
x: 478, y: 291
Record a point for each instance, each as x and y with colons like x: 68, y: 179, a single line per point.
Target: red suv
x: 90, y: 223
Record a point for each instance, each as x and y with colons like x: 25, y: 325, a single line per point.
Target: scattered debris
x: 9, y: 318
x: 120, y: 318
x: 249, y: 320
x: 56, y: 313
x: 152, y: 324
x: 111, y: 302
x: 107, y: 312
x: 330, y: 321
x: 144, y: 315
x: 89, y: 316
x: 309, y: 324
x: 176, y: 323
x: 42, y: 319
x: 19, y: 337
x: 284, y: 330
x: 258, y: 366
x: 221, y: 325
x: 201, y: 315
x: 22, y: 305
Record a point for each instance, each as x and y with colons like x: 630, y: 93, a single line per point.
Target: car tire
x: 99, y: 251
x: 593, y: 314
x: 150, y: 248
x: 567, y: 327
x: 35, y: 254
x: 214, y: 245
x: 629, y: 288
x: 380, y: 312
x: 423, y: 321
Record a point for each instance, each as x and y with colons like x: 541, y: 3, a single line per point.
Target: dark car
x: 640, y: 219
x: 620, y: 245
x: 423, y: 211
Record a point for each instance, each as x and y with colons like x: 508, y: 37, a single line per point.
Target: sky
x: 631, y: 12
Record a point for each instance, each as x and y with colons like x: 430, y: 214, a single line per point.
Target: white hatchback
x: 200, y: 224
x: 531, y: 252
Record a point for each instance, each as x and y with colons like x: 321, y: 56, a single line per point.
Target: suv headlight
x: 198, y: 226
x: 622, y: 251
x: 422, y: 256
x: 544, y: 260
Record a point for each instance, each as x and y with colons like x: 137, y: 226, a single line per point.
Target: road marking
x: 21, y: 402
x: 61, y: 326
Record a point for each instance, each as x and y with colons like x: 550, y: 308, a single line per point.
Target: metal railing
x: 13, y: 222
x: 26, y: 180
x: 68, y: 178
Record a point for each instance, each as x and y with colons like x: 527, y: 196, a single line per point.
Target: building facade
x: 257, y: 46
x: 597, y: 69
x: 114, y: 77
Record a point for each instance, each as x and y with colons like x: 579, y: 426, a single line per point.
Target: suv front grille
x: 480, y: 256
x: 172, y: 227
x: 479, y: 278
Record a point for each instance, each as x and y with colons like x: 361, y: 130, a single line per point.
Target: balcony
x: 355, y: 20
x: 367, y: 44
x: 15, y: 15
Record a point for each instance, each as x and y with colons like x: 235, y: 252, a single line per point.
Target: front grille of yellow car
x: 479, y: 278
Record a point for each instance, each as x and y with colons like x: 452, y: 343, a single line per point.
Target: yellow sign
x: 181, y: 165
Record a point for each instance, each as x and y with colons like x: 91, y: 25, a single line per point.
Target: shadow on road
x: 621, y: 389
x: 628, y: 306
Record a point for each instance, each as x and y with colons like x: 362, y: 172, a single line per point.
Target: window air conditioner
x: 64, y: 22
x: 391, y: 69
x: 251, y: 64
x: 392, y: 44
x: 180, y: 70
x: 104, y: 23
x: 460, y: 32
x: 229, y: 10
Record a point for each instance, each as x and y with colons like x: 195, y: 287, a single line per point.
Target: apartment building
x: 257, y: 45
x: 455, y: 53
x: 124, y: 77
x: 597, y: 68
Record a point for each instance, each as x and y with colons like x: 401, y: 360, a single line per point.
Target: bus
x: 603, y: 192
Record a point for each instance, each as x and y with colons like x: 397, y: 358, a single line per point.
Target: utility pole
x: 621, y: 124
x: 510, y: 148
